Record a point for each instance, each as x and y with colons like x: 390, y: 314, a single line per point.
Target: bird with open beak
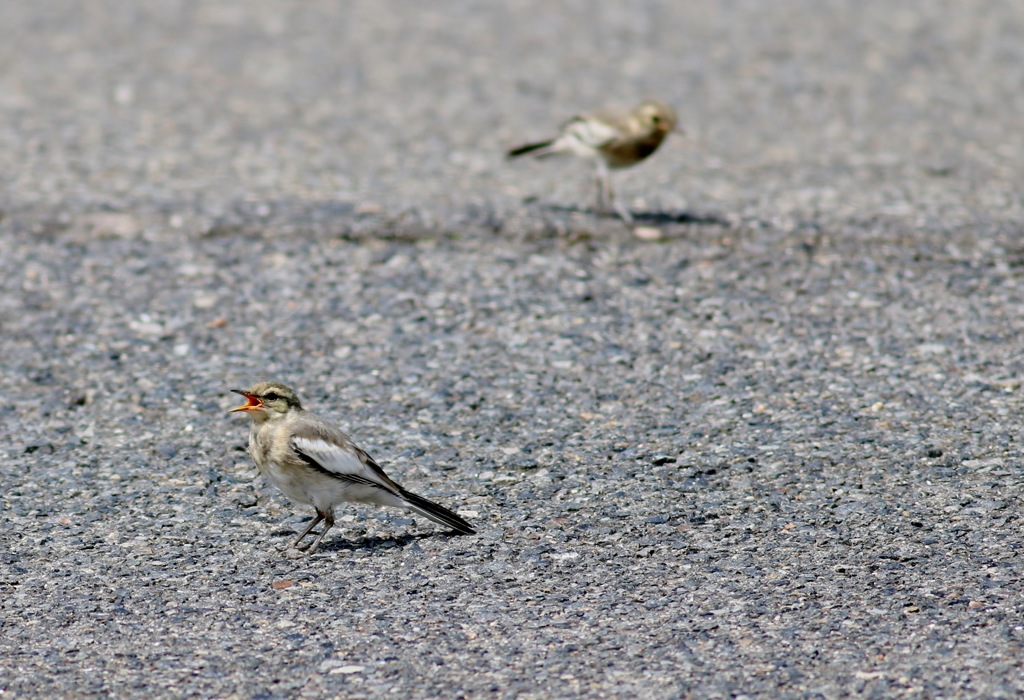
x: 314, y: 463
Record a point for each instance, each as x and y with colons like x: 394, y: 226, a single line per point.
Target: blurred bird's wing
x: 342, y: 460
x: 591, y: 132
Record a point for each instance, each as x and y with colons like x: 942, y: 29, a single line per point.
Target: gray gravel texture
x: 768, y: 447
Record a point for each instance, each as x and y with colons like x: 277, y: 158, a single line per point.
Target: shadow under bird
x: 613, y: 140
x: 316, y: 464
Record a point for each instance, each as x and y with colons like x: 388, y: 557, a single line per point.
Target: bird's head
x: 656, y: 116
x: 267, y: 400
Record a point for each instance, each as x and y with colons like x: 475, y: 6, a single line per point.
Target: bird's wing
x: 591, y: 131
x: 342, y: 460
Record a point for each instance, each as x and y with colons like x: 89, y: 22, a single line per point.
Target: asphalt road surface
x: 765, y: 442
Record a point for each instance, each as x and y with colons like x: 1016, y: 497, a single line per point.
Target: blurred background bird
x: 613, y: 139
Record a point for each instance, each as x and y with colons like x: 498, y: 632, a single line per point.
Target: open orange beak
x: 252, y: 404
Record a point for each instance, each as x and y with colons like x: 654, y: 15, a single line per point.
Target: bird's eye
x: 272, y: 396
x: 655, y: 118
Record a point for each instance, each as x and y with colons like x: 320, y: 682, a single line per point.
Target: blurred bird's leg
x: 601, y: 181
x: 621, y: 210
x: 604, y: 186
x: 606, y: 201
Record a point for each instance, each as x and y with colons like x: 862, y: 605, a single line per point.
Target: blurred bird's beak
x: 252, y: 404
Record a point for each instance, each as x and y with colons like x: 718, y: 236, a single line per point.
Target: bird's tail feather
x: 539, y: 150
x: 439, y: 514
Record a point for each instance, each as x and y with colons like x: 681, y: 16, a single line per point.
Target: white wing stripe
x: 591, y: 132
x: 332, y: 457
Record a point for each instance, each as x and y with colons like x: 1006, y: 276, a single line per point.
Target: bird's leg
x: 309, y: 528
x: 606, y: 195
x: 328, y: 524
x: 622, y: 211
x: 603, y: 186
x: 613, y: 203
